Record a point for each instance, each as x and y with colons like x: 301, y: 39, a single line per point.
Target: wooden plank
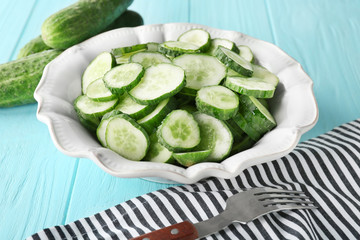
x: 43, y: 187
x: 162, y: 11
x: 324, y: 38
x: 13, y: 21
x: 36, y: 179
x: 95, y: 190
x: 249, y: 17
x: 100, y: 189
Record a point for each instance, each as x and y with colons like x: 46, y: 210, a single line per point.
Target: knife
x: 189, y: 231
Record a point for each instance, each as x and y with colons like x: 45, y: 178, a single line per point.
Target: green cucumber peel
x: 234, y: 61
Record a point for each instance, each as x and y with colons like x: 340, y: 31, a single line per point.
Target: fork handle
x: 180, y: 231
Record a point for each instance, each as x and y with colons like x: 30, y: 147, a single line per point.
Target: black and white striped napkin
x: 327, y: 168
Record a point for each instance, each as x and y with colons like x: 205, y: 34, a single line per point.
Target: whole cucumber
x: 34, y: 46
x: 81, y: 21
x: 127, y: 19
x: 19, y: 78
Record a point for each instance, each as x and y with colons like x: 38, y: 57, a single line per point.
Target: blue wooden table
x: 40, y: 187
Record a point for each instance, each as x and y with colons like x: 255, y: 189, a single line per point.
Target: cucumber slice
x: 198, y: 37
x: 126, y: 57
x: 247, y: 127
x: 123, y: 54
x: 188, y: 92
x: 175, y: 48
x: 136, y: 111
x: 189, y: 108
x: 253, y: 86
x: 154, y: 119
x: 256, y: 114
x: 237, y: 132
x: 188, y: 159
x: 124, y: 77
x: 234, y: 61
x: 101, y: 129
x: 147, y: 59
x: 152, y: 46
x: 246, y: 143
x: 258, y: 72
x: 265, y: 75
x: 90, y: 123
x: 118, y: 52
x: 264, y: 103
x: 201, y: 70
x: 97, y: 68
x: 157, y: 152
x: 159, y: 82
x: 182, y: 100
x: 97, y: 91
x: 127, y: 138
x: 262, y: 84
x: 246, y: 53
x: 179, y: 131
x: 253, y: 118
x: 222, y: 42
x: 90, y: 108
x: 217, y: 101
x: 232, y: 73
x: 214, y: 135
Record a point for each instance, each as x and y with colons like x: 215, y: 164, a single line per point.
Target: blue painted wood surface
x: 40, y: 187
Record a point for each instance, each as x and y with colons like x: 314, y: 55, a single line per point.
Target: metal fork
x: 242, y: 207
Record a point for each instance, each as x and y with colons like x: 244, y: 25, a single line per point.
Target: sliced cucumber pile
x: 185, y: 101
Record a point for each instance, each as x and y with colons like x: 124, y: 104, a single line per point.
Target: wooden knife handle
x: 180, y: 231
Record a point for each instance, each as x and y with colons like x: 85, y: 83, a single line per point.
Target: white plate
x: 293, y: 106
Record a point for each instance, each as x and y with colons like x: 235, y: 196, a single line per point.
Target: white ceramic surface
x: 293, y: 106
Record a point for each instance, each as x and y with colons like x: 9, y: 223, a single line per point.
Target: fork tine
x: 267, y: 190
x: 295, y: 206
x: 263, y: 197
x: 286, y: 201
x: 277, y: 208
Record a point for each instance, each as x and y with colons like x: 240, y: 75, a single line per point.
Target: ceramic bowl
x: 293, y: 106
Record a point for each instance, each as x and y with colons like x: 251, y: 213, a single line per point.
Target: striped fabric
x: 326, y: 168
